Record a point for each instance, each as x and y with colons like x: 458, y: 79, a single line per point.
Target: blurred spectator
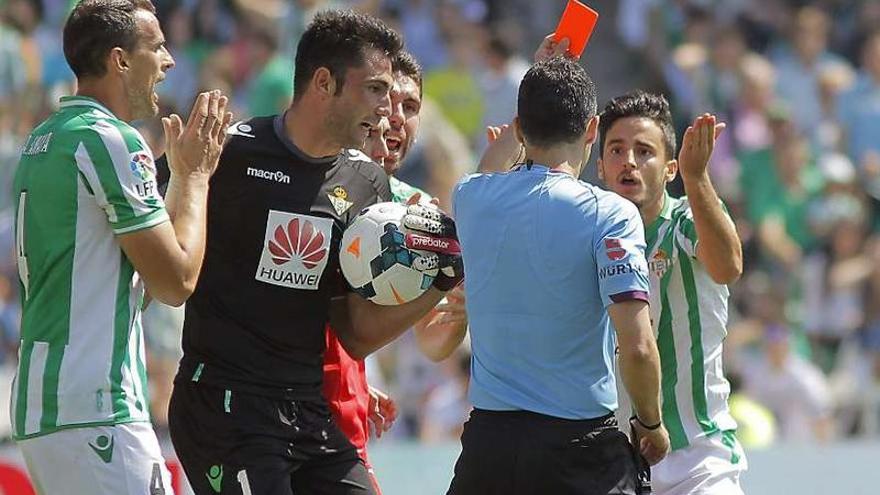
x: 778, y: 184
x: 499, y: 81
x: 271, y: 85
x: 792, y: 387
x: 454, y: 86
x: 750, y: 113
x: 10, y: 321
x: 422, y: 33
x: 834, y: 79
x: 182, y: 82
x: 411, y: 376
x: 704, y: 78
x: 755, y: 424
x: 12, y: 80
x: 799, y: 64
x: 294, y: 16
x: 859, y: 111
x: 447, y: 406
x: 835, y: 278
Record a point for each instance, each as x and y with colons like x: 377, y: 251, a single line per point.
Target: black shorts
x: 524, y: 453
x: 243, y: 444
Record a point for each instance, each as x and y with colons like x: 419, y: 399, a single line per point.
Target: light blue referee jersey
x: 544, y: 255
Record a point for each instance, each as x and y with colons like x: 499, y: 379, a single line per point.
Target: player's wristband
x: 647, y: 427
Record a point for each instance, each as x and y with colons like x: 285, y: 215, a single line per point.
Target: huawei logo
x: 301, y: 239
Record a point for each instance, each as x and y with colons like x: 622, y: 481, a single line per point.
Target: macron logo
x: 278, y: 176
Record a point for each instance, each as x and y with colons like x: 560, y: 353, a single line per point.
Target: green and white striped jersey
x: 689, y: 316
x: 401, y: 191
x: 84, y: 177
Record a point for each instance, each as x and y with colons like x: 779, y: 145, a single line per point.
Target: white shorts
x: 98, y: 460
x: 705, y: 467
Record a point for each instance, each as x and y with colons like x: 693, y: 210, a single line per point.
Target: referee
x: 549, y: 260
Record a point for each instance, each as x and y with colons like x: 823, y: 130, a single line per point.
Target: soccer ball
x: 376, y: 261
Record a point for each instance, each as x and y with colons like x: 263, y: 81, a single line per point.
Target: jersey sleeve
x: 401, y: 192
x: 120, y: 170
x: 619, y: 250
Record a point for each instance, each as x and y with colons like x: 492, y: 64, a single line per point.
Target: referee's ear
x: 517, y: 131
x: 592, y: 130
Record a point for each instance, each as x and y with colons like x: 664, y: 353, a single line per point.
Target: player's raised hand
x: 503, y: 150
x: 549, y: 48
x: 194, y: 147
x: 697, y: 146
x: 382, y: 411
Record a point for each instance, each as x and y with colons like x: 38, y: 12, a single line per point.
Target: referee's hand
x: 653, y: 444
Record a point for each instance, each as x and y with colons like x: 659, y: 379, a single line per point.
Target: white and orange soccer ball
x: 375, y: 260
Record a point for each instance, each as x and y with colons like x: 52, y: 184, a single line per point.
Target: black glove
x: 441, y: 241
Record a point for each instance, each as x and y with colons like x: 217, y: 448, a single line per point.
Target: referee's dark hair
x: 639, y: 104
x: 95, y: 27
x: 556, y: 100
x: 338, y: 40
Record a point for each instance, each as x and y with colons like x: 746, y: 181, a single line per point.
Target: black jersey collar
x: 278, y: 125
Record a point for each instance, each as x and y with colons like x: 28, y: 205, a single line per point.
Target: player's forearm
x: 186, y: 202
x: 373, y: 326
x: 436, y: 340
x: 638, y: 358
x: 719, y: 248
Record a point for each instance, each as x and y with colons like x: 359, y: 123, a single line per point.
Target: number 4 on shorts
x: 156, y: 485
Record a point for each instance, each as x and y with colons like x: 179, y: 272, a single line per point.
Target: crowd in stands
x: 798, y: 167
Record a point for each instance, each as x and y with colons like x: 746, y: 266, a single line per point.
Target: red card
x: 576, y: 24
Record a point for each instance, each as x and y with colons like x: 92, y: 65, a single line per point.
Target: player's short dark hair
x: 639, y: 104
x: 338, y: 40
x: 405, y: 63
x: 556, y: 100
x: 95, y: 27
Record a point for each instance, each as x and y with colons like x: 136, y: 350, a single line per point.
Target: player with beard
x: 693, y: 252
x: 353, y: 402
x: 92, y: 234
x: 247, y: 414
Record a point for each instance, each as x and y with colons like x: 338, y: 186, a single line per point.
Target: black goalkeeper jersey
x: 275, y: 219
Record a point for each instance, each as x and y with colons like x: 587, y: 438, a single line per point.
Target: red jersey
x: 347, y: 393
